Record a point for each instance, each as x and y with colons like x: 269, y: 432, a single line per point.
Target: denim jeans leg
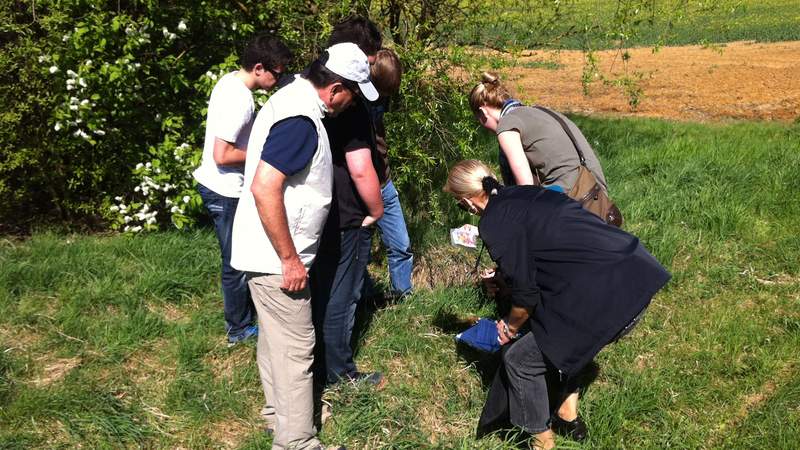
x: 238, y: 306
x: 337, y: 279
x: 528, y: 403
x: 394, y: 235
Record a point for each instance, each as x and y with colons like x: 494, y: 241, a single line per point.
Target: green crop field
x: 117, y: 341
x: 670, y: 22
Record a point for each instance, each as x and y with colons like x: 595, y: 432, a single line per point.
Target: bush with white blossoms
x: 102, y: 86
x: 165, y: 193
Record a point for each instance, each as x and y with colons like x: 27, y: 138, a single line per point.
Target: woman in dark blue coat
x: 575, y: 282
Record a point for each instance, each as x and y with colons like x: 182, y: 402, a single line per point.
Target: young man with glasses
x: 219, y: 178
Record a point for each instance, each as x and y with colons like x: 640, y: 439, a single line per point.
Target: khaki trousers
x: 285, y: 354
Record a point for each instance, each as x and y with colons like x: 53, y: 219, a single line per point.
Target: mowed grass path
x: 110, y: 341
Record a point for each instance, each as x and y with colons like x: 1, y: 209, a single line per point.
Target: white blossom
x: 118, y: 198
x: 127, y: 228
x: 73, y: 107
x: 137, y: 189
x: 233, y: 26
x: 181, y: 26
x: 127, y: 219
x: 114, y: 208
x: 88, y: 63
x: 65, y: 38
x: 151, y: 220
x: 71, y: 73
x: 80, y: 133
x: 84, y: 102
x: 100, y: 132
x: 168, y: 202
x: 82, y: 82
x: 139, y: 166
x: 148, y: 165
x: 53, y: 69
x: 57, y: 127
x: 44, y: 58
x: 186, y: 199
x: 174, y: 209
x: 136, y: 229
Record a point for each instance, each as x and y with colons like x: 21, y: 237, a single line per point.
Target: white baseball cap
x: 349, y: 62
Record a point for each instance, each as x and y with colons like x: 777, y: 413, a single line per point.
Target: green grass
x: 112, y: 341
x: 519, y: 24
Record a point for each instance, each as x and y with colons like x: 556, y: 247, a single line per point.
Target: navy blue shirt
x: 290, y: 145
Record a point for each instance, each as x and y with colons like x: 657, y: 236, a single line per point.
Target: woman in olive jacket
x: 575, y: 282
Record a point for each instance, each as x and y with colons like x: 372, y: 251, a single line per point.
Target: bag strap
x: 566, y: 130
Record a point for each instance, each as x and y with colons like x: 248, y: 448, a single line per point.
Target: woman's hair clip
x: 490, y: 185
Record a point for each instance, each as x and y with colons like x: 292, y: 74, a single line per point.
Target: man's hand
x: 294, y: 274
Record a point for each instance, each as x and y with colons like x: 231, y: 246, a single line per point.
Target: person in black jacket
x: 577, y: 283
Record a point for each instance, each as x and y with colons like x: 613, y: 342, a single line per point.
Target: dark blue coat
x: 583, y: 279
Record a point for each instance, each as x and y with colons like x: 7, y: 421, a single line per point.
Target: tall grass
x: 118, y: 341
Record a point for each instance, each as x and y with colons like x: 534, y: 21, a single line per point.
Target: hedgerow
x: 105, y: 101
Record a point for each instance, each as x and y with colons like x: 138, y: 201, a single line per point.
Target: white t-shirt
x: 230, y: 116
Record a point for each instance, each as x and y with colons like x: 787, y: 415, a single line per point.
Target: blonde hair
x: 466, y: 178
x: 386, y: 72
x: 489, y: 92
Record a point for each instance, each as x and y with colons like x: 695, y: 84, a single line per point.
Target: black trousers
x: 527, y: 370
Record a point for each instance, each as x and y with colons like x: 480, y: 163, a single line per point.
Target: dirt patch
x: 445, y: 266
x: 739, y: 80
x: 54, y: 370
x: 229, y: 433
x: 225, y: 364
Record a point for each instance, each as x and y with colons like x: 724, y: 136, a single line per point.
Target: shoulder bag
x: 587, y: 190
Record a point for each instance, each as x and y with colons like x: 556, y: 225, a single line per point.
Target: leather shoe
x: 574, y: 429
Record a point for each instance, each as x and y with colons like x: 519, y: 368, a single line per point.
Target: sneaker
x: 374, y: 378
x: 249, y: 332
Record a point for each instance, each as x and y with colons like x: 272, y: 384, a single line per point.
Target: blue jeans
x: 336, y: 281
x: 239, y: 309
x: 394, y: 235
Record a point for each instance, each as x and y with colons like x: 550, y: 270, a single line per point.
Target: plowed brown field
x: 740, y: 80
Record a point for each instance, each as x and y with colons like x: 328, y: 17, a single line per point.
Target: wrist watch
x: 507, y: 332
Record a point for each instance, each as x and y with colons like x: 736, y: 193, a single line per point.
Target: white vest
x: 306, y: 194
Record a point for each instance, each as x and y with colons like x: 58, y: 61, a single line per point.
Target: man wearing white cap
x: 285, y: 200
x: 338, y: 275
